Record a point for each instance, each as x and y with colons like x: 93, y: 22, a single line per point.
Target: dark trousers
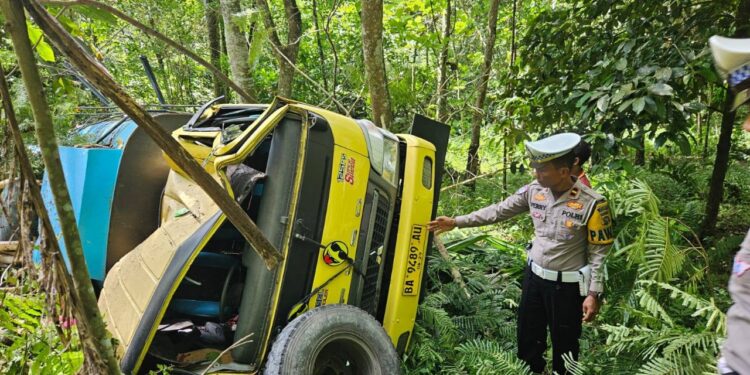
x: 552, y: 304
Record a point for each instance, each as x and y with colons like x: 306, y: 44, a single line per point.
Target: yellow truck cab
x: 345, y: 202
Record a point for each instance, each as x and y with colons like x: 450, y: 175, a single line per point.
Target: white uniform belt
x: 566, y: 277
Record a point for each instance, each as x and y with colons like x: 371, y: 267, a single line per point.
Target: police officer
x: 732, y: 58
x: 562, y: 283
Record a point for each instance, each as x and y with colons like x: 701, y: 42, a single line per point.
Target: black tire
x: 333, y: 339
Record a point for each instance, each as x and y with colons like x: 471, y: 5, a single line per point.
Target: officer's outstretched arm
x: 511, y: 206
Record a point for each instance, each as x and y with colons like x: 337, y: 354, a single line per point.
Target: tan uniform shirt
x: 736, y: 349
x: 570, y: 232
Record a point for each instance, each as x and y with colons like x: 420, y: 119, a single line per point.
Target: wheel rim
x: 343, y: 354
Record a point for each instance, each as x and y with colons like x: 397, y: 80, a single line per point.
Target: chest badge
x: 569, y: 224
x: 576, y: 205
x: 539, y: 197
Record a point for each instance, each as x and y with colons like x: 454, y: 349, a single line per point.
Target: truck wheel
x: 333, y: 339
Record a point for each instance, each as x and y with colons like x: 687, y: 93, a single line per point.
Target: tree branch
x: 117, y: 13
x: 455, y: 273
x: 100, y: 78
x: 315, y: 83
x: 15, y: 23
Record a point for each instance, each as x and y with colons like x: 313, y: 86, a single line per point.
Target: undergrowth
x: 662, y: 314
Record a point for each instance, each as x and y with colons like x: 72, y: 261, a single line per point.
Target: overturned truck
x: 345, y: 202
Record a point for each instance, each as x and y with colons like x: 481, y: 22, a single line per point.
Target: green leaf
x: 660, y: 139
x: 260, y: 35
x: 603, y: 103
x: 683, y: 143
x: 663, y: 74
x: 96, y: 14
x: 625, y: 105
x: 36, y: 37
x: 181, y: 212
x: 638, y: 105
x: 621, y: 64
x: 583, y: 99
x: 661, y: 89
x: 645, y: 70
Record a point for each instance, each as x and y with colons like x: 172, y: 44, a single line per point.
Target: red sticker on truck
x: 346, y: 169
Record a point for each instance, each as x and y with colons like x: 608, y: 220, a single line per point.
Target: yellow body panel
x: 346, y: 132
x: 197, y: 150
x: 264, y: 129
x: 222, y: 149
x: 411, y: 241
x: 131, y: 283
x: 349, y: 179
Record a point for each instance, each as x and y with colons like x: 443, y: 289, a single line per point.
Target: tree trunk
x: 286, y: 54
x: 372, y: 45
x: 707, y: 130
x: 58, y: 281
x: 237, y: 48
x: 472, y: 162
x: 511, y: 91
x: 246, y: 95
x: 721, y: 162
x: 319, y: 42
x: 15, y: 24
x: 214, y: 42
x: 640, y: 152
x: 99, y: 77
x: 442, y: 78
x: 333, y: 48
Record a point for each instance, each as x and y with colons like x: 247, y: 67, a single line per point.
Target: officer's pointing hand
x: 590, y: 308
x: 442, y: 224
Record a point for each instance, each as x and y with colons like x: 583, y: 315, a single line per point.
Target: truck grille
x: 370, y: 290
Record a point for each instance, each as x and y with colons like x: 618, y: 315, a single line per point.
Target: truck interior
x: 203, y: 315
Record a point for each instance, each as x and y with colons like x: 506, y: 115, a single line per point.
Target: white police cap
x: 552, y: 147
x: 732, y: 60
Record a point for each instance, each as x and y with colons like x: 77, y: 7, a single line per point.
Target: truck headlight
x: 382, y: 146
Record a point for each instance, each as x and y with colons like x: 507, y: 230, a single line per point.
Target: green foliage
x: 30, y: 341
x: 455, y: 334
x: 661, y: 313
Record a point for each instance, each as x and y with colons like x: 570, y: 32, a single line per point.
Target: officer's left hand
x: 590, y: 308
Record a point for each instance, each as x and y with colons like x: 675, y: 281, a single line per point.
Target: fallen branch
x: 99, y: 77
x: 117, y: 13
x: 457, y: 278
x: 464, y: 182
x: 314, y: 82
x: 8, y: 246
x: 100, y: 353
